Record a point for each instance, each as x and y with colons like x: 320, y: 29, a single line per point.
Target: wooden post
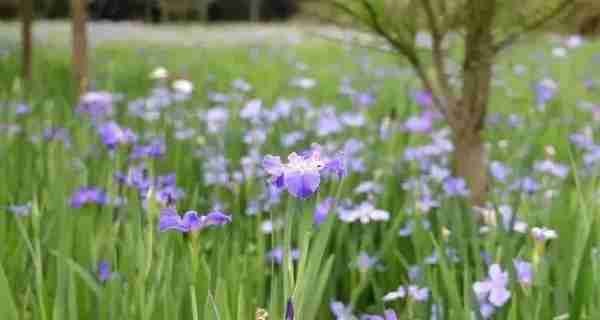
x: 26, y: 43
x: 80, y: 58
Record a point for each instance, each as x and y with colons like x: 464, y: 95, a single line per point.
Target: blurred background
x: 157, y: 11
x: 585, y: 20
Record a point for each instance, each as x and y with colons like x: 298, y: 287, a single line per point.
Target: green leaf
x: 8, y: 308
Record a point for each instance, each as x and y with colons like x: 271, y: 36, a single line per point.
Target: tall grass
x: 49, y: 259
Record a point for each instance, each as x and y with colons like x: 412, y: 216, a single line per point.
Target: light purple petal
x: 499, y: 296
x: 192, y: 222
x: 390, y: 315
x: 302, y: 185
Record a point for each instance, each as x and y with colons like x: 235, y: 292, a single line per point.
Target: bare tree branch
x: 353, y: 42
x: 409, y: 51
x: 513, y: 37
x: 402, y: 46
x: 438, y: 36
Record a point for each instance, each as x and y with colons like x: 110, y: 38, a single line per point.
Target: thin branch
x: 513, y: 37
x: 353, y: 42
x: 403, y: 47
x: 409, y: 52
x: 437, y: 51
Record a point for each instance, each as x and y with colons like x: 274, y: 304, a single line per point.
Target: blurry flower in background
x: 303, y: 83
x: 341, y: 311
x: 113, y: 135
x: 364, y: 262
x: 156, y: 148
x: 22, y: 210
x: 104, y: 271
x: 88, y: 195
x: 252, y: 111
x: 363, y: 213
x: 191, y: 221
x: 543, y: 234
x: 159, y: 73
x: 277, y: 254
x: 387, y: 315
x: 216, y: 119
x: 553, y: 168
x: 96, y: 105
x: 524, y: 271
x: 545, y: 91
x: 183, y: 86
x: 455, y: 187
x: 322, y: 210
x: 241, y: 85
x: 58, y: 134
x: 412, y: 291
x: 493, y: 291
x: 289, y: 310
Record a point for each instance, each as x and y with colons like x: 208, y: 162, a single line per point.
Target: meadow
x: 159, y: 194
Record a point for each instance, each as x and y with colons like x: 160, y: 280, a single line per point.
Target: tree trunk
x: 255, y: 6
x: 470, y: 163
x: 26, y: 42
x: 467, y: 116
x: 80, y: 58
x: 203, y: 10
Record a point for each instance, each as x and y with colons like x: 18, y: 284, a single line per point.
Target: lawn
x: 89, y: 189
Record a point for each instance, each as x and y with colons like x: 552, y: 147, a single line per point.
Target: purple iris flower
x: 364, y: 99
x: 191, y: 221
x: 292, y: 138
x: 526, y: 184
x: 88, y: 195
x: 524, y: 272
x: 113, y: 135
x: 96, y: 104
x: 22, y: 109
x: 289, y: 310
x: 322, y: 210
x: 387, y: 315
x: 420, y: 124
x: 551, y: 167
x: 155, y: 149
x: 545, y: 91
x: 276, y: 255
x: 104, y: 273
x: 216, y: 119
x: 363, y: 213
x: 423, y: 99
x: 493, y: 290
x: 543, y: 234
x: 21, y: 210
x: 59, y: 134
x: 499, y: 171
x: 241, y: 85
x: 412, y: 291
x: 353, y: 119
x: 169, y: 193
x: 365, y: 262
x: 301, y: 176
x: 456, y: 187
x: 341, y: 311
x: 328, y: 123
x: 252, y: 110
x: 582, y: 140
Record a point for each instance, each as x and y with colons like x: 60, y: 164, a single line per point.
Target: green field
x: 50, y: 253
